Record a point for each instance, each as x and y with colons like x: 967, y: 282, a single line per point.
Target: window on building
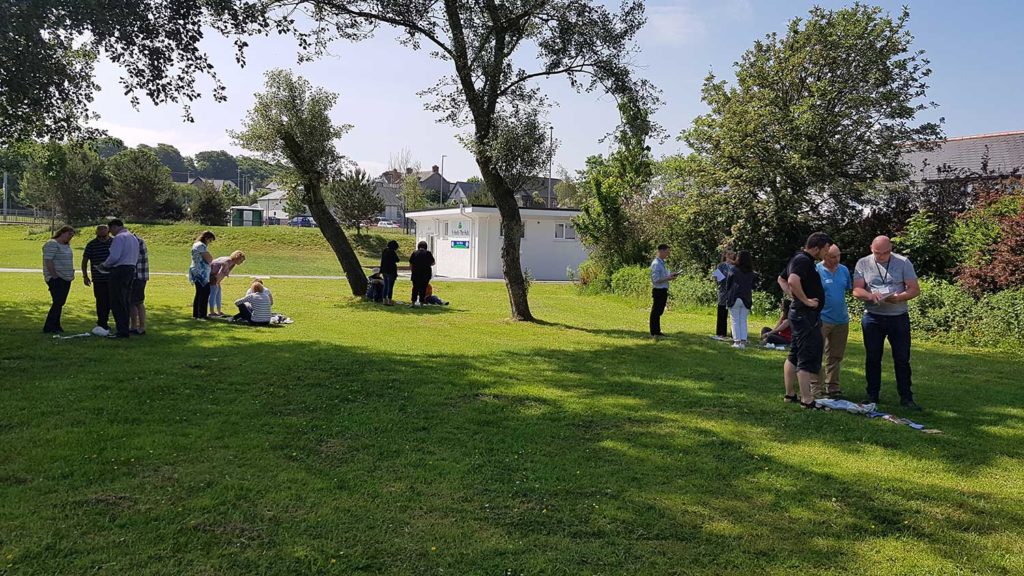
x: 565, y: 232
x: 445, y: 229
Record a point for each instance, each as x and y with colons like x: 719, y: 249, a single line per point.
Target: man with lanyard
x: 886, y: 282
x: 801, y: 280
x: 124, y: 255
x: 96, y: 252
x: 660, y: 277
x: 835, y: 321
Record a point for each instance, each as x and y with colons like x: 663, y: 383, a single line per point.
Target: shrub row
x: 942, y: 311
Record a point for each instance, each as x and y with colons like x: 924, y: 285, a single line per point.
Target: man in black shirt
x: 420, y: 262
x: 801, y: 280
x: 96, y: 252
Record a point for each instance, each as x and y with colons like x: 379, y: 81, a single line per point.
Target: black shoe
x: 871, y: 400
x: 118, y: 336
x: 910, y: 405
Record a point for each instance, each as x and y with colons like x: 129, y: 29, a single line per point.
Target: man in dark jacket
x: 420, y: 262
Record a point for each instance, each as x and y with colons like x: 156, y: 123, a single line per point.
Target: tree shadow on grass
x: 211, y: 451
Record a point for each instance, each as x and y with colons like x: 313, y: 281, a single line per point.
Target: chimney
x: 435, y: 169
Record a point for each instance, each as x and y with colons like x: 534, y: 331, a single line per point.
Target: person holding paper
x: 719, y: 275
x: 886, y: 282
x: 660, y: 277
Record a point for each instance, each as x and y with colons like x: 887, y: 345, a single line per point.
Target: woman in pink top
x: 220, y: 269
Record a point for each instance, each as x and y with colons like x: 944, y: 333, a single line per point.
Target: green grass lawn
x: 365, y: 440
x: 269, y: 250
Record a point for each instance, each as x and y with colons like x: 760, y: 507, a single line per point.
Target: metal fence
x: 24, y: 217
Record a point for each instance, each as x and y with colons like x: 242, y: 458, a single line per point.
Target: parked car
x: 303, y: 222
x: 387, y: 224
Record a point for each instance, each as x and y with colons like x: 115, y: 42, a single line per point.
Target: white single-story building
x: 466, y: 241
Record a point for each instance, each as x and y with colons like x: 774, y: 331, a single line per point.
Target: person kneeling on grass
x: 375, y: 286
x: 255, y: 306
x: 432, y: 299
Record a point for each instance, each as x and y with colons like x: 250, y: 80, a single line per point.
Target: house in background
x: 535, y: 192
x: 462, y: 192
x: 466, y: 241
x: 272, y: 203
x: 217, y: 184
x: 968, y: 159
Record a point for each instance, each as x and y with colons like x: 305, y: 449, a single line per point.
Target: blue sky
x: 974, y: 47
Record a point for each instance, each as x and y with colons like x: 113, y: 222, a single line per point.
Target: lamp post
x: 551, y: 161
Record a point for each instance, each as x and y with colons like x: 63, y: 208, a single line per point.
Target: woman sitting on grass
x: 781, y: 335
x: 255, y: 306
x: 220, y: 269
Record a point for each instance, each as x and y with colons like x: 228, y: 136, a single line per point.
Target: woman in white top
x: 255, y: 306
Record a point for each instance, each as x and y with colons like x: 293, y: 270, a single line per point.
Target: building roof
x: 389, y: 193
x: 275, y: 195
x: 471, y: 210
x: 998, y: 154
x: 216, y: 183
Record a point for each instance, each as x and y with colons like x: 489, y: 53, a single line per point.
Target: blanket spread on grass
x: 869, y: 411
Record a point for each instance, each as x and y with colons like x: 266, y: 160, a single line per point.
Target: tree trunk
x: 511, y: 264
x: 336, y: 237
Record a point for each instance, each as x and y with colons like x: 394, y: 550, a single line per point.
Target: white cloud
x: 674, y: 25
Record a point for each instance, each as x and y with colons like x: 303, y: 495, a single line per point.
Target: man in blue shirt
x: 660, y: 277
x: 835, y: 321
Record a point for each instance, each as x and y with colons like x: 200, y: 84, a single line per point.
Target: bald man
x: 885, y: 282
x: 835, y: 322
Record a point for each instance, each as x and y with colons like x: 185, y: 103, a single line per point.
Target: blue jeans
x: 389, y: 285
x: 877, y: 329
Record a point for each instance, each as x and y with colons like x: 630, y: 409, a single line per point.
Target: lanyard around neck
x: 885, y: 276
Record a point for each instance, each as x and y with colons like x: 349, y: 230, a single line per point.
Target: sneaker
x: 871, y: 400
x: 739, y: 345
x: 910, y: 405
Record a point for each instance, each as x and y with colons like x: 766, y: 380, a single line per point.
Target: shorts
x: 808, y: 343
x: 138, y: 291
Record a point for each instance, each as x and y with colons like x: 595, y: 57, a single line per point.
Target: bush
x: 942, y: 308
x: 694, y: 290
x: 632, y: 281
x: 766, y: 304
x: 1000, y: 319
x: 593, y: 278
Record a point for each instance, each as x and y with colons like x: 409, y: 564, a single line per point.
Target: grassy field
x: 269, y: 250
x: 365, y: 440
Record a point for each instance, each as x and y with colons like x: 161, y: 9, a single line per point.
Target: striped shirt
x: 260, y: 302
x: 63, y: 260
x: 96, y: 252
x: 142, y: 266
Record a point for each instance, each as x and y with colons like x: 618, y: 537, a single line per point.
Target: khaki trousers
x: 835, y: 336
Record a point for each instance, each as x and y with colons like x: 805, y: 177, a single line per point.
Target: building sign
x: 460, y: 244
x: 459, y: 229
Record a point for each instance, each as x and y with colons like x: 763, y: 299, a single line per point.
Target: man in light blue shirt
x: 660, y: 277
x: 124, y: 255
x: 835, y: 322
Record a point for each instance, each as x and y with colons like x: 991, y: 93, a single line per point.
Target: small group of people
x: 815, y: 317
x: 207, y: 275
x: 115, y: 264
x: 381, y: 286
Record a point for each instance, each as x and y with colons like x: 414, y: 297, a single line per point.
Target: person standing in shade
x: 95, y: 253
x: 886, y: 282
x: 420, y: 261
x: 389, y: 271
x: 835, y: 322
x: 739, y: 296
x: 124, y: 255
x: 720, y: 274
x: 199, y: 273
x: 804, y: 284
x: 138, y: 300
x: 660, y: 278
x: 58, y: 273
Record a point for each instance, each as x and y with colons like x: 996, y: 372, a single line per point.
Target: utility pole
x: 5, y: 195
x: 551, y: 161
x: 443, y: 181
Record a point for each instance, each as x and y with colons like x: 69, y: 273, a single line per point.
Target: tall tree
x: 107, y: 146
x: 488, y: 92
x: 170, y: 157
x: 354, y: 199
x: 216, y: 164
x: 68, y: 179
x: 816, y: 124
x: 290, y: 122
x: 209, y: 206
x: 139, y: 183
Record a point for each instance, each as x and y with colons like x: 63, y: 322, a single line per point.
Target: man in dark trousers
x: 124, y: 255
x: 719, y: 276
x: 420, y: 262
x: 801, y: 280
x: 660, y: 277
x: 95, y: 254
